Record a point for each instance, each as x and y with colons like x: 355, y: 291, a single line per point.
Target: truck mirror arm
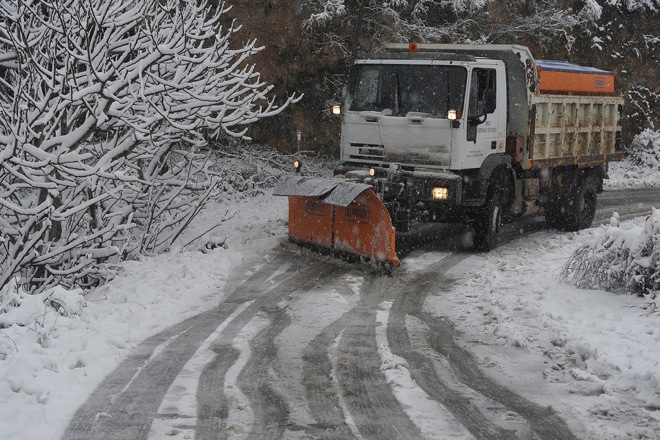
x: 477, y: 120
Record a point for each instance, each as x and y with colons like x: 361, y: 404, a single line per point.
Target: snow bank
x: 56, y: 347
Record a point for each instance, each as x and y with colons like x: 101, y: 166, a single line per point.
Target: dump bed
x: 573, y: 130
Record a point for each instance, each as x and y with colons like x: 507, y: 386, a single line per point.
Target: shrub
x: 644, y: 151
x: 620, y: 259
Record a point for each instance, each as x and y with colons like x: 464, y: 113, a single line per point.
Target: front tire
x: 488, y: 226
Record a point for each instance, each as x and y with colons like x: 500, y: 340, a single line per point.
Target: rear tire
x: 581, y: 205
x: 555, y: 214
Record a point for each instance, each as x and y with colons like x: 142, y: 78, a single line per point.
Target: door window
x: 482, y: 100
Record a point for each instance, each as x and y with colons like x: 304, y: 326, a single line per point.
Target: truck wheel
x: 555, y: 214
x: 581, y: 206
x: 487, y: 226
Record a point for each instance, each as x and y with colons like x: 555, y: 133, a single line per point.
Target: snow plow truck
x: 474, y: 134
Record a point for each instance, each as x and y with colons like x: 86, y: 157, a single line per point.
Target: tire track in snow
x: 179, y: 409
x: 346, y: 392
x: 269, y: 410
x: 241, y: 415
x: 348, y: 418
x: 125, y: 403
x: 323, y: 391
x: 422, y: 410
x: 268, y: 404
x: 372, y: 405
x: 543, y: 422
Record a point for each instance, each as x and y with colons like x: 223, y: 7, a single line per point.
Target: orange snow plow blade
x: 344, y: 218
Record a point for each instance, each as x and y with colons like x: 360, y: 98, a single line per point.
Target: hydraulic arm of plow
x: 344, y: 218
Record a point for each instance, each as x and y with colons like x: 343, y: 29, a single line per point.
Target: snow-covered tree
x: 644, y: 151
x: 353, y: 25
x: 103, y: 107
x: 626, y: 38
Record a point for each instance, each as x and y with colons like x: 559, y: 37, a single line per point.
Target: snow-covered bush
x: 249, y: 169
x: 620, y: 259
x: 644, y: 151
x: 37, y: 312
x: 103, y: 108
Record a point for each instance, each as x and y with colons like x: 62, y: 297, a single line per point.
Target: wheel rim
x: 581, y: 205
x: 496, y: 222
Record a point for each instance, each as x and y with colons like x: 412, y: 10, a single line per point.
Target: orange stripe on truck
x: 559, y: 77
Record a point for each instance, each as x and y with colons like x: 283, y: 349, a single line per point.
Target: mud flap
x: 344, y: 218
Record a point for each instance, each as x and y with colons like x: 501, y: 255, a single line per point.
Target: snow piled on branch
x: 620, y: 258
x: 634, y: 5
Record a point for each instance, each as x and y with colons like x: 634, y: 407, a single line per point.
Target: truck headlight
x: 440, y: 193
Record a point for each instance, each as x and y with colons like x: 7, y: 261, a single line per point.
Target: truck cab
x: 425, y: 111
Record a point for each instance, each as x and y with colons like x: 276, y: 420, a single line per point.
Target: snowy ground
x: 596, y: 354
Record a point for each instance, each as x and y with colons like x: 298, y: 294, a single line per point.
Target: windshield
x: 399, y: 89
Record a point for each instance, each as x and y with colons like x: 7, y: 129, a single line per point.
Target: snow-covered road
x: 313, y: 348
x: 278, y: 342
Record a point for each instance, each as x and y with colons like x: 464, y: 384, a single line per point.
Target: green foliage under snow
x: 620, y: 259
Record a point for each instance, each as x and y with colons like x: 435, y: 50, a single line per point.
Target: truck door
x: 486, y: 117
